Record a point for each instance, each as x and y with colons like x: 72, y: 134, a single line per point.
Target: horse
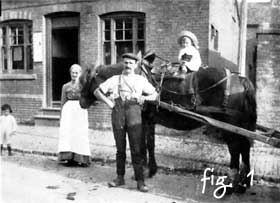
x: 208, y: 92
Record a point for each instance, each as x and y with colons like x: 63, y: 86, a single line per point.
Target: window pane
x: 29, y: 31
x: 107, y: 35
x: 20, y: 35
x: 140, y: 23
x: 119, y: 35
x: 4, y: 35
x: 128, y: 23
x: 107, y: 24
x: 128, y: 34
x: 18, y: 57
x: 119, y: 24
x: 140, y: 47
x: 17, y: 32
x: 4, y: 58
x: 20, y: 39
x: 140, y: 34
x: 29, y: 59
x: 107, y: 53
x: 123, y: 47
x: 14, y: 40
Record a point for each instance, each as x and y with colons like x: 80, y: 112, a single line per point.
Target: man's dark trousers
x: 126, y: 118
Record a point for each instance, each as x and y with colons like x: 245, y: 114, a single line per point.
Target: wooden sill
x: 18, y: 76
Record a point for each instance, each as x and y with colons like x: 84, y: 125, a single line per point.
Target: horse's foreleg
x: 143, y: 148
x: 148, y: 145
x: 151, y: 149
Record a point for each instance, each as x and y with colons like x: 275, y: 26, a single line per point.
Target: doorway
x: 64, y: 54
x: 62, y: 50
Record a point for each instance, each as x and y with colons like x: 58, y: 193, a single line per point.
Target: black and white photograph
x: 140, y: 101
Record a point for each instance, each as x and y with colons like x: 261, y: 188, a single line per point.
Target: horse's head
x: 92, y: 77
x: 88, y: 84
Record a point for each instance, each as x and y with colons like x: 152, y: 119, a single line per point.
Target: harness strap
x: 227, y: 89
x: 191, y: 91
x: 216, y: 84
x: 119, y: 85
x: 228, y: 75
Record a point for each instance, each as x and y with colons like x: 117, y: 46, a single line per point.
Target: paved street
x: 21, y: 184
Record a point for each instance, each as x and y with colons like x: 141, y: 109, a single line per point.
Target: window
x: 121, y: 33
x: 215, y: 37
x: 16, y: 46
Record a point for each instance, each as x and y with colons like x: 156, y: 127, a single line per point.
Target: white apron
x: 73, y: 131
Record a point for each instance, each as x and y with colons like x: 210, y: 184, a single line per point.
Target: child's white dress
x: 190, y: 55
x: 8, y: 127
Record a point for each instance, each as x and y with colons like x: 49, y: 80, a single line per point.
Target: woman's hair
x: 6, y: 107
x: 75, y: 66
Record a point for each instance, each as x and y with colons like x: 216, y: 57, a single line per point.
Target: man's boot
x: 141, y: 186
x: 9, y: 150
x: 1, y: 149
x: 117, y: 182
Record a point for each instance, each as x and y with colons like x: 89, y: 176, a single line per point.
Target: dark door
x: 64, y: 54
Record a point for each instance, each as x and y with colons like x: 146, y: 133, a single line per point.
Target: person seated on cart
x: 189, y: 56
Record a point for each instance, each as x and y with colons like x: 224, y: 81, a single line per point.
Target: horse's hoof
x: 152, y: 172
x: 246, y: 182
x: 229, y: 191
x: 240, y: 189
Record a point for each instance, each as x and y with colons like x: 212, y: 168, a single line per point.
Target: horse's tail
x: 250, y: 104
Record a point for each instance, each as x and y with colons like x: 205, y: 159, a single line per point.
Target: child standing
x: 8, y: 127
x: 189, y: 56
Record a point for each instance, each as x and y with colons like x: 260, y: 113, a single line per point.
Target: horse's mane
x: 107, y: 71
x: 250, y: 105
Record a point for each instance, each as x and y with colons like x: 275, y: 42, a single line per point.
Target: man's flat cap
x: 130, y: 56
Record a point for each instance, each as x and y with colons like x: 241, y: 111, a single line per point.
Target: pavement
x: 183, y: 151
x: 174, y: 149
x: 31, y: 185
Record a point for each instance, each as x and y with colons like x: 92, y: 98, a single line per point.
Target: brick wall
x: 23, y: 108
x: 267, y: 79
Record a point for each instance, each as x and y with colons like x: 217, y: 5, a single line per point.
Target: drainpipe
x: 243, y: 38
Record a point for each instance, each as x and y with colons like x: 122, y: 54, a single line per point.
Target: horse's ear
x: 94, y: 70
x: 149, y: 56
x: 139, y: 55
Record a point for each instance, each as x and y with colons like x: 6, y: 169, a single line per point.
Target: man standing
x: 127, y: 95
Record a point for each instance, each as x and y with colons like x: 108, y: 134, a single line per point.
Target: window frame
x: 26, y: 45
x: 112, y: 18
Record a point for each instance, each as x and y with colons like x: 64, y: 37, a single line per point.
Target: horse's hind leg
x: 234, y: 150
x: 245, y: 167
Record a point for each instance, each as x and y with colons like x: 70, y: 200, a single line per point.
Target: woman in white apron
x: 73, y: 146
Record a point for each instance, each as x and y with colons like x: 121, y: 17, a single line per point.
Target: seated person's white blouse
x: 190, y: 57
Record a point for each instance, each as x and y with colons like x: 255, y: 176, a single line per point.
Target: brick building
x: 263, y: 62
x: 40, y: 39
x: 263, y: 51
